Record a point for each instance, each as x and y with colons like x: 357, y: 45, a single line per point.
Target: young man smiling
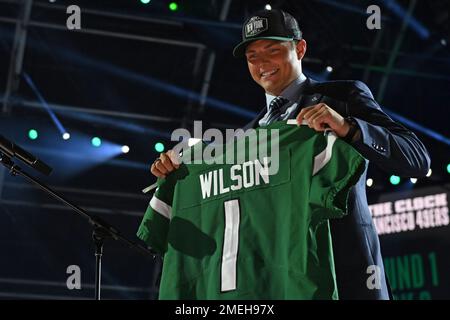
x: 273, y: 46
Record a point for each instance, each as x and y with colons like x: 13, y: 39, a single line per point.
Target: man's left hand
x: 321, y: 117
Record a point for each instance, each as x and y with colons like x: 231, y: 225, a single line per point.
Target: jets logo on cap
x: 255, y: 26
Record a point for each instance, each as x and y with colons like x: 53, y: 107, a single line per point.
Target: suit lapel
x: 306, y: 99
x: 254, y: 122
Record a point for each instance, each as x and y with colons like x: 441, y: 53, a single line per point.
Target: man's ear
x: 301, y: 49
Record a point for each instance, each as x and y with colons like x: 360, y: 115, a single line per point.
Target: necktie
x: 275, y: 109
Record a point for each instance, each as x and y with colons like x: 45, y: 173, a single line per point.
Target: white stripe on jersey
x: 294, y: 122
x: 161, y: 207
x: 324, y: 157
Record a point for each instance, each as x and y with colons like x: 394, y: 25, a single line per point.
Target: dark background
x: 136, y: 72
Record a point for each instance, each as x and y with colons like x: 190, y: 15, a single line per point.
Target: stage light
x: 268, y: 7
x: 52, y: 1
x: 394, y: 180
x: 444, y: 42
x: 369, y: 182
x: 96, y: 142
x: 173, y: 6
x: 429, y: 173
x: 413, y: 180
x: 159, y: 147
x: 33, y: 134
x: 448, y: 168
x: 125, y: 149
x: 66, y: 136
x: 145, y: 1
x: 329, y: 69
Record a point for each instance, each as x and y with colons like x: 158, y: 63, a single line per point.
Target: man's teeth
x: 268, y: 73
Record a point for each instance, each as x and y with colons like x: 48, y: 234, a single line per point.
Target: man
x: 274, y: 48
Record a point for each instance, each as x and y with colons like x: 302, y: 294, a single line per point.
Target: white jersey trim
x: 324, y: 157
x: 294, y: 122
x: 161, y: 207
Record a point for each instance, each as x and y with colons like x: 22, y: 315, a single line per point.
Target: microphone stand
x: 101, y: 229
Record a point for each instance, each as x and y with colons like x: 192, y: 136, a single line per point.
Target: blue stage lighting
x: 395, y: 180
x: 96, y: 142
x: 159, y: 147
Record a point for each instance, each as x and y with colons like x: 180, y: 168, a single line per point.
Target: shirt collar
x: 292, y: 92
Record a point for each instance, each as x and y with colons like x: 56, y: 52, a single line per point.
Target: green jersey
x: 236, y: 231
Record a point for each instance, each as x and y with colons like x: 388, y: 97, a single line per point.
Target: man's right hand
x: 165, y: 164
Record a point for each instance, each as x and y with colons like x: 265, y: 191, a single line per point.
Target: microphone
x: 12, y: 150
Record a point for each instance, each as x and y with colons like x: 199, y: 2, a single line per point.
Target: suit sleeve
x: 384, y: 142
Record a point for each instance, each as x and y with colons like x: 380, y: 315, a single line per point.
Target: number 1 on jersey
x: 230, y: 245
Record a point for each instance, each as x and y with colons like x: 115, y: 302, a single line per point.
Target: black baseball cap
x: 272, y: 24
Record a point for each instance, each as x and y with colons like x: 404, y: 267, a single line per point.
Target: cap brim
x: 239, y: 50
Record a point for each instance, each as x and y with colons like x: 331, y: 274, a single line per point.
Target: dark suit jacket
x: 386, y: 144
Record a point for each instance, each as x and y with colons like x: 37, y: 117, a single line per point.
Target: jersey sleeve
x: 154, y: 227
x: 336, y: 169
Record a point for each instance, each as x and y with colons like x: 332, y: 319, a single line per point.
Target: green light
x: 159, y: 147
x: 448, y: 168
x: 394, y: 180
x: 173, y: 6
x: 32, y: 134
x: 145, y: 1
x: 96, y: 142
